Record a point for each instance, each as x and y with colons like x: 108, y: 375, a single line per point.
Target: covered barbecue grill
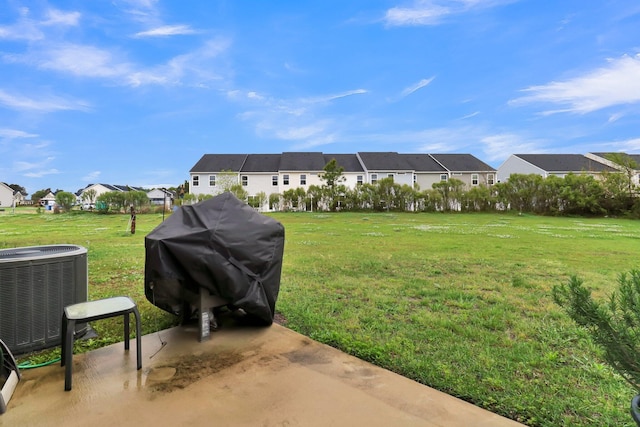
x: 216, y: 252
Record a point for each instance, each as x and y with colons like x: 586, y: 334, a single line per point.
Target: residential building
x: 551, y: 164
x: 277, y: 173
x: 20, y: 198
x: 604, y: 158
x: 6, y: 196
x: 160, y: 196
x: 100, y: 189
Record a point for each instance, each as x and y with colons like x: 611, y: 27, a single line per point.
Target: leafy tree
x: 429, y: 200
x: 614, y: 326
x: 451, y: 193
x: 16, y: 187
x: 614, y: 199
x: 289, y: 199
x: 478, y: 199
x: 36, y: 196
x: 332, y: 174
x: 629, y: 167
x: 111, y: 200
x: 521, y: 192
x: 332, y: 177
x: 274, y: 201
x: 189, y: 199
x: 65, y: 200
x: 581, y: 194
x: 313, y: 197
x: 226, y: 180
x: 89, y: 196
x: 202, y: 197
x: 239, y: 191
x: 258, y: 200
x: 294, y: 199
x: 137, y: 199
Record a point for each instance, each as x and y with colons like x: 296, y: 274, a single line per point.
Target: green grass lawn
x: 458, y: 302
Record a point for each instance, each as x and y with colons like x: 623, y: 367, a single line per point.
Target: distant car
x: 87, y: 206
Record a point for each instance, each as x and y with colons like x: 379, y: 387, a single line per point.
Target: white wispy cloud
x: 40, y: 172
x: 432, y: 12
x: 463, y: 139
x: 31, y: 29
x: 332, y: 97
x: 630, y: 145
x: 44, y: 103
x: 302, y: 132
x: 616, y: 84
x: 59, y: 17
x: 166, y: 30
x: 497, y: 146
x: 411, y: 89
x: 95, y: 62
x: 143, y: 11
x: 468, y: 116
x: 294, y: 120
x: 15, y: 134
x: 36, y: 169
x: 79, y: 60
x: 91, y: 176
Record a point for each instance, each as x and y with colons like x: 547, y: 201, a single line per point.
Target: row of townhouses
x: 276, y: 173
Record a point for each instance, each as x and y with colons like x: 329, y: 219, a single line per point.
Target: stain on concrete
x: 180, y: 373
x: 307, y: 356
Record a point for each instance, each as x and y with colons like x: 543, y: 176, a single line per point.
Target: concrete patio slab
x: 242, y: 376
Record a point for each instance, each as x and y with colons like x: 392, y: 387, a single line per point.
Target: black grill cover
x: 220, y: 244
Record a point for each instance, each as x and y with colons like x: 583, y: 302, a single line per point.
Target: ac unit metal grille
x: 35, y: 289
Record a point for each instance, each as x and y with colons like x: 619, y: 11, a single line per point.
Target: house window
x: 212, y: 180
x: 195, y: 181
x: 285, y: 179
x: 474, y: 179
x: 444, y: 177
x: 274, y: 180
x: 490, y: 179
x: 374, y: 178
x: 245, y: 180
x: 390, y: 175
x: 359, y: 180
x: 303, y: 179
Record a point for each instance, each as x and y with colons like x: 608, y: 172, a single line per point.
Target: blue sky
x: 134, y: 92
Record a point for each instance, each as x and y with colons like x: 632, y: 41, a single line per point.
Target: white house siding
x: 312, y: 178
x: 515, y: 164
x: 98, y: 188
x: 467, y: 178
x: 426, y: 180
x: 204, y: 186
x: 351, y: 179
x: 635, y: 179
x: 159, y: 197
x: 6, y: 196
x: 261, y: 182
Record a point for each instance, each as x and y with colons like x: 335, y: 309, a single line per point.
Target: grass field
x: 458, y: 302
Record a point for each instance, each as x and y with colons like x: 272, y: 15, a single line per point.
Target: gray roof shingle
x: 422, y: 163
x: 219, y: 162
x: 384, y: 161
x: 296, y: 161
x: 262, y: 163
x: 564, y: 163
x: 349, y: 162
x: 462, y: 163
x: 634, y: 157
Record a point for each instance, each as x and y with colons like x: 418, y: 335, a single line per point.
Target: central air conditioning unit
x: 36, y: 283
